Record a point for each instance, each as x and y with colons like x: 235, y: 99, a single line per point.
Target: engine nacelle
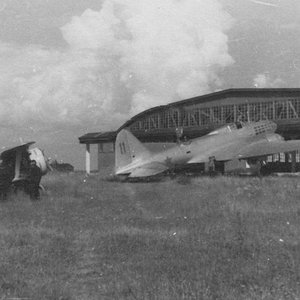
x: 274, y: 137
x: 38, y: 155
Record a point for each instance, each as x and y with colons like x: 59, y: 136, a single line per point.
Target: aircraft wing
x: 149, y: 169
x: 264, y: 148
x: 244, y: 150
x: 224, y: 153
x: 11, y: 151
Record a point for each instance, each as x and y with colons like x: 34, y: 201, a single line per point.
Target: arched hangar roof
x: 245, y: 92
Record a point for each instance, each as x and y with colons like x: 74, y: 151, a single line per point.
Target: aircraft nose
x: 272, y: 126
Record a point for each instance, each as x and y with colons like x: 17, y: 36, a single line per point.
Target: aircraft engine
x: 274, y: 137
x: 38, y: 155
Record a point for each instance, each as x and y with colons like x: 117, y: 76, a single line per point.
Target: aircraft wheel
x: 19, y: 186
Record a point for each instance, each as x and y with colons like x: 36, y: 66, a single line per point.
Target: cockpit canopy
x: 229, y: 128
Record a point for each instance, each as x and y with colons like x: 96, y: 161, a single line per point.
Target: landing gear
x: 19, y: 186
x: 23, y: 186
x: 255, y: 166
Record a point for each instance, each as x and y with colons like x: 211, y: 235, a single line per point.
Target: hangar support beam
x: 88, y: 159
x: 100, y: 150
x: 293, y: 159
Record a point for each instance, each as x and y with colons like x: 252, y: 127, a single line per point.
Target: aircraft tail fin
x: 128, y: 149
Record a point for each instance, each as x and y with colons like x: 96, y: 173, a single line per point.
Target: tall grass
x: 185, y: 238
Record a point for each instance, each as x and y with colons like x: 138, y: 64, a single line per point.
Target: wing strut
x: 18, y: 164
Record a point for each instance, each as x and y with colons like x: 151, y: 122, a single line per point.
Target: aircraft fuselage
x: 232, y: 137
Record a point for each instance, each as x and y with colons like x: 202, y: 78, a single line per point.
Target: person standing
x: 6, y: 177
x: 34, y: 180
x: 211, y: 166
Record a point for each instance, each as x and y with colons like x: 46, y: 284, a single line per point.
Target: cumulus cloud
x: 129, y: 56
x: 265, y: 81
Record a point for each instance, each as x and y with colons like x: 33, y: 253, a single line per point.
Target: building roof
x: 95, y: 137
x: 253, y: 92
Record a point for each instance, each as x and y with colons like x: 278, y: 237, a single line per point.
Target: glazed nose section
x: 270, y: 126
x: 264, y: 127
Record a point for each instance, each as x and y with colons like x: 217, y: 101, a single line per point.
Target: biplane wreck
x: 15, y: 166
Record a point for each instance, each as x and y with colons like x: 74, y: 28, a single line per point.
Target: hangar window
x: 266, y: 111
x: 189, y: 118
x: 154, y: 121
x: 254, y: 111
x: 280, y: 110
x: 228, y: 113
x: 293, y: 108
x: 185, y: 119
x: 197, y: 117
x: 216, y: 113
x: 146, y: 123
x: 169, y: 119
x: 165, y: 119
x: 204, y: 116
x: 194, y: 118
x: 242, y: 112
x: 136, y: 125
x: 260, y: 111
x: 174, y: 114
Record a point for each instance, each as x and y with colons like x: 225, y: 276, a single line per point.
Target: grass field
x: 185, y: 238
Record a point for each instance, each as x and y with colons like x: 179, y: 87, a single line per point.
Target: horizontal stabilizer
x: 149, y: 169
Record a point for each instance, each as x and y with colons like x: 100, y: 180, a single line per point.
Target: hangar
x: 199, y: 115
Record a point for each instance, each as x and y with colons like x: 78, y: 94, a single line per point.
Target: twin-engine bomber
x: 251, y: 142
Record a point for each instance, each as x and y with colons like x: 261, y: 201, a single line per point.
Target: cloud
x: 163, y: 51
x: 265, y: 81
x: 129, y: 56
x: 47, y: 87
x: 291, y: 26
x: 266, y: 3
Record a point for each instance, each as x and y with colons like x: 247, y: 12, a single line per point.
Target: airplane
x: 251, y: 142
x: 17, y: 160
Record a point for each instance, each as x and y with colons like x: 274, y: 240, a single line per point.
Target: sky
x: 72, y: 67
